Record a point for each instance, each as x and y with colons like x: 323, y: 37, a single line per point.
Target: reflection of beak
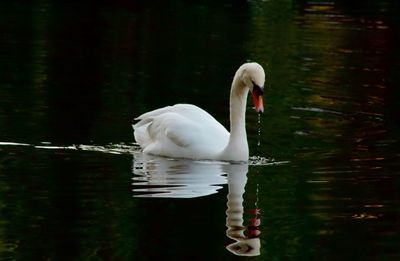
x: 258, y: 98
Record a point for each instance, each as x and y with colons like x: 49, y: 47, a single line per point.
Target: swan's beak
x: 258, y: 98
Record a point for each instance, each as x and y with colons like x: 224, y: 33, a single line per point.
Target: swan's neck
x: 237, y: 148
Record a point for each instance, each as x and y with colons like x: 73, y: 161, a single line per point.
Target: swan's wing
x: 187, y: 110
x: 155, y: 125
x: 179, y: 129
x: 144, y: 129
x: 182, y: 128
x: 154, y: 113
x: 165, y: 132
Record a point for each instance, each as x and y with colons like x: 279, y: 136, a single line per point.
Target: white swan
x: 187, y: 131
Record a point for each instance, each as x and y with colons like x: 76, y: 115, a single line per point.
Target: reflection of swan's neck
x: 237, y: 148
x: 234, y: 212
x: 244, y: 245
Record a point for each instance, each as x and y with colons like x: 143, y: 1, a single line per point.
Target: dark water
x: 324, y: 183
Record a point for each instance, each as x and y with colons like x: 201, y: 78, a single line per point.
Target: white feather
x: 182, y: 130
x: 187, y: 131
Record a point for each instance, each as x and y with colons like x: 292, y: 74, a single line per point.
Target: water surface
x: 323, y: 180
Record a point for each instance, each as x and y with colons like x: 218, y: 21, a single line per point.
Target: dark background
x: 78, y: 72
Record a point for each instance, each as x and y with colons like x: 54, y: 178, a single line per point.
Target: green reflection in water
x: 78, y: 73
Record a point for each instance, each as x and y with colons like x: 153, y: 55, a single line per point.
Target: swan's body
x: 187, y: 131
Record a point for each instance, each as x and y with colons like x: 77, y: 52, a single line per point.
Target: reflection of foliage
x: 65, y: 208
x: 324, y: 80
x: 81, y: 72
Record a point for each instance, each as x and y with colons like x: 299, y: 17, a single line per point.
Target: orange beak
x: 258, y: 102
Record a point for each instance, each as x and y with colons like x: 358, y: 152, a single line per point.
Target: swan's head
x: 253, y: 77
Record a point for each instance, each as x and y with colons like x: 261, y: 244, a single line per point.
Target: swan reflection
x: 247, y: 237
x: 176, y: 178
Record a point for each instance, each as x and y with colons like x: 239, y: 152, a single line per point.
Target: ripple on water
x: 262, y: 161
x: 111, y: 148
x: 165, y: 177
x: 132, y: 148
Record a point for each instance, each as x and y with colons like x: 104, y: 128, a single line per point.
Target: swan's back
x: 182, y: 131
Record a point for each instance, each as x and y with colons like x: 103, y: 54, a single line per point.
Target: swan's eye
x: 257, y: 90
